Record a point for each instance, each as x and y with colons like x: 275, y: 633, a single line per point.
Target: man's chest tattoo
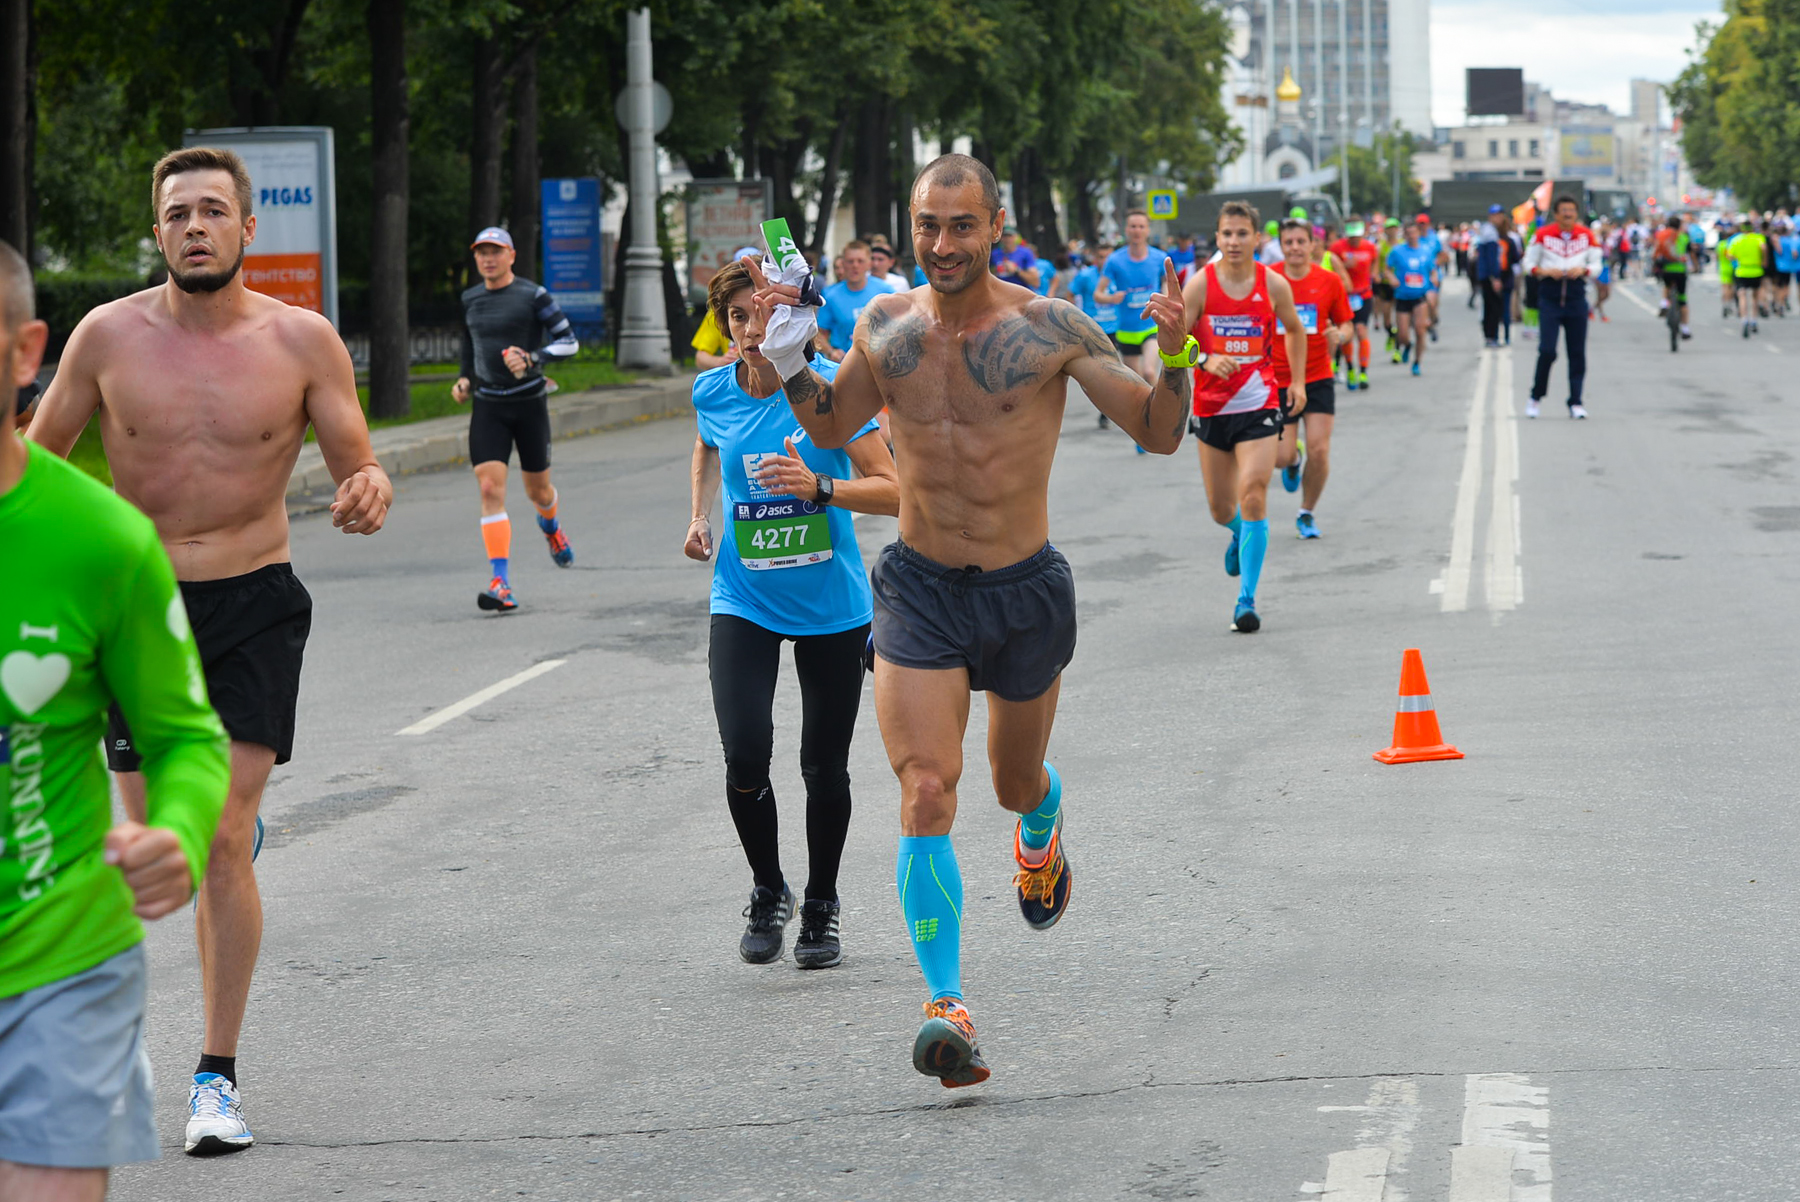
x: 1014, y: 353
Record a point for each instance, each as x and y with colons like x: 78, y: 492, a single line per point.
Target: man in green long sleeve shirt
x: 104, y: 624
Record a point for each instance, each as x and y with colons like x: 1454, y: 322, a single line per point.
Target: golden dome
x: 1289, y: 90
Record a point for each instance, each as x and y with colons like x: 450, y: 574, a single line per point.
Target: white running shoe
x: 1578, y: 413
x: 216, y: 1117
x: 1531, y: 408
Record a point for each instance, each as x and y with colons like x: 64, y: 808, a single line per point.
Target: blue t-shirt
x: 788, y: 565
x: 838, y: 317
x: 1431, y: 242
x: 1787, y: 253
x: 1413, y: 267
x: 1184, y: 258
x: 919, y: 280
x: 1082, y: 289
x: 1138, y: 281
x: 1046, y: 276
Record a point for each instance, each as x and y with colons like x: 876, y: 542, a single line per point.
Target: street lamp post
x: 644, y: 331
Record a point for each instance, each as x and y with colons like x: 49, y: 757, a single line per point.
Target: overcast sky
x: 1580, y: 49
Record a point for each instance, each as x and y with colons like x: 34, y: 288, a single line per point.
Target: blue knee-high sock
x: 1036, y: 827
x: 1236, y: 524
x: 1254, y: 545
x: 931, y: 898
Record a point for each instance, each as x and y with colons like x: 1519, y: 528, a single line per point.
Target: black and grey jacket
x: 522, y: 314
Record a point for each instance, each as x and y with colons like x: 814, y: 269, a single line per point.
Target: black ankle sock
x: 225, y: 1066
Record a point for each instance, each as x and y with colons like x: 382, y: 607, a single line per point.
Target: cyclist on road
x: 1671, y: 255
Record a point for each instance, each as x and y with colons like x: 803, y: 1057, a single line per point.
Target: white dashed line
x: 428, y: 724
x: 1454, y: 583
x: 1505, y: 584
x: 1505, y: 1151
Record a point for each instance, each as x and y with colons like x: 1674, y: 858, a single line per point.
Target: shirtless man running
x: 974, y: 374
x: 204, y: 391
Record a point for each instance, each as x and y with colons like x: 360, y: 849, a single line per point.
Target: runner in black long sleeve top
x: 510, y: 327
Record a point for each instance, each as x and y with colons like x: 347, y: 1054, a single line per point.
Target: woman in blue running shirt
x: 787, y: 570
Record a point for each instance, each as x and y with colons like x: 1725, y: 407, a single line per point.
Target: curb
x: 444, y: 441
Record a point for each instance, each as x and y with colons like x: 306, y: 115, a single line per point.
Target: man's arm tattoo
x: 1180, y: 381
x: 806, y: 386
x: 896, y: 344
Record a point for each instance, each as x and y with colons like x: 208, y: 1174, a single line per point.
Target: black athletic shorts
x: 1359, y: 316
x: 251, y: 631
x: 1747, y: 285
x: 1013, y: 628
x: 1403, y: 304
x: 1321, y: 397
x: 1130, y: 350
x: 495, y: 427
x: 1781, y: 279
x: 1224, y: 432
x: 1383, y: 291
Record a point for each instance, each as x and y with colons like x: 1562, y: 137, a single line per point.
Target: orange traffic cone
x: 1416, y: 734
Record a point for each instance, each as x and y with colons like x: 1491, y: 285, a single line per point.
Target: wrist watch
x: 533, y: 358
x: 1187, y: 356
x: 826, y: 488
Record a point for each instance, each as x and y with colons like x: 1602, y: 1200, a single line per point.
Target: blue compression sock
x: 499, y: 566
x: 931, y: 898
x: 1250, y: 554
x: 1236, y: 524
x: 1036, y: 827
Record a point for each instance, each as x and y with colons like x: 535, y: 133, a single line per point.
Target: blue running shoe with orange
x: 1044, y: 887
x: 498, y: 597
x: 560, y: 550
x: 946, y: 1047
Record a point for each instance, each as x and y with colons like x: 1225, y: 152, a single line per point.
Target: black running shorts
x: 251, y: 631
x: 1013, y: 628
x: 1406, y: 304
x: 1321, y: 397
x: 1749, y: 284
x: 495, y: 427
x: 1224, y: 432
x: 1383, y: 291
x: 1129, y: 350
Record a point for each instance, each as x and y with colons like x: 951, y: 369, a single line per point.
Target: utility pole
x: 644, y: 332
x: 1344, y: 98
x: 1394, y: 160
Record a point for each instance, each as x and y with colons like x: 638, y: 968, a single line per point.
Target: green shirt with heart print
x: 92, y: 617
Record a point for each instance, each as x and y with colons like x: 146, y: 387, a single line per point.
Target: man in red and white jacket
x: 1563, y: 257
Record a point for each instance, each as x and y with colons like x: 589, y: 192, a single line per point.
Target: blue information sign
x: 572, y: 250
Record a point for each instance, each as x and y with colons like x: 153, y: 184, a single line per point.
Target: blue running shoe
x: 1406, y: 353
x: 1231, y: 556
x: 498, y: 597
x: 1415, y: 369
x: 1290, y: 476
x: 1304, y: 524
x: 1244, y: 619
x: 1140, y: 449
x: 561, y: 553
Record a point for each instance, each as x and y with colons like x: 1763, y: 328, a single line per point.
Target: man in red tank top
x: 1324, y: 309
x: 1357, y: 254
x: 1237, y: 413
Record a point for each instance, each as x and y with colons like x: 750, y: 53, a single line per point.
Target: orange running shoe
x: 1043, y: 890
x: 946, y: 1047
x: 498, y: 597
x: 560, y: 551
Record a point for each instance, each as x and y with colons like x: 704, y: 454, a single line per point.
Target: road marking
x: 1505, y: 1152
x: 1505, y: 588
x: 1637, y: 300
x: 1454, y: 583
x: 1356, y: 1176
x: 1771, y: 348
x: 428, y: 724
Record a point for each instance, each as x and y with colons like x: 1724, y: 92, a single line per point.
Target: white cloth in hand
x: 788, y: 341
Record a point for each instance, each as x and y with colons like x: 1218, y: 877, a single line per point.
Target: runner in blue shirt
x: 1787, y: 265
x: 845, y: 299
x: 787, y: 569
x: 1131, y: 276
x: 1412, y: 267
x: 1433, y: 242
x: 1083, y: 287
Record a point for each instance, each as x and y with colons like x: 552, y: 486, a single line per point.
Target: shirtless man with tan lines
x: 974, y: 374
x: 204, y: 391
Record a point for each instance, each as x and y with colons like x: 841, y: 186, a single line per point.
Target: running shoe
x: 1290, y: 476
x: 1578, y: 413
x: 1531, y: 407
x: 768, y: 913
x: 1043, y: 890
x: 1140, y: 448
x: 1432, y: 333
x: 819, y: 944
x: 1231, y: 556
x: 1306, y: 526
x: 560, y: 550
x: 946, y: 1047
x: 1405, y: 354
x: 1103, y: 423
x: 869, y: 653
x: 498, y: 597
x: 1415, y: 369
x: 1244, y: 619
x: 216, y: 1117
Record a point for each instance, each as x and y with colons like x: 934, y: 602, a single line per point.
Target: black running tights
x: 744, y: 659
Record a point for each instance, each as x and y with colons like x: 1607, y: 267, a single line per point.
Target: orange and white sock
x: 496, y: 535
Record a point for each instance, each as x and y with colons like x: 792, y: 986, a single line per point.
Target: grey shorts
x: 1013, y: 628
x: 75, y: 1089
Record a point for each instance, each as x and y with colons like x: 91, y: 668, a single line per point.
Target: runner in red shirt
x: 1357, y: 254
x: 1324, y: 309
x: 1237, y: 413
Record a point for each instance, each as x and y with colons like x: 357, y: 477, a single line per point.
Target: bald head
x: 17, y: 305
x: 955, y: 170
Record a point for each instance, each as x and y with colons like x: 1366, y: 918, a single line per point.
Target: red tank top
x: 1245, y: 330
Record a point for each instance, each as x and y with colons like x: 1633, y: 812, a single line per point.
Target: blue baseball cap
x: 494, y: 236
x: 1496, y: 208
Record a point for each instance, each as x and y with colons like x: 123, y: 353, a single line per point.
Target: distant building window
x: 1458, y: 150
x: 1493, y: 148
x: 1534, y: 148
x: 1512, y: 148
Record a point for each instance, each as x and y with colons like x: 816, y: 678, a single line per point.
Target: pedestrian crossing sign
x: 1162, y: 205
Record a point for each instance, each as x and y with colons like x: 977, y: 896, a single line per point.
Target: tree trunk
x: 15, y: 124
x: 784, y: 165
x: 828, y: 181
x: 872, y: 172
x: 525, y: 167
x: 389, y: 344
x: 902, y: 175
x: 1036, y: 205
x: 486, y: 135
x: 982, y: 152
x: 1081, y: 201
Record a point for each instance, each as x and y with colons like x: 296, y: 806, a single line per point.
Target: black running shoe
x: 768, y: 914
x: 818, y: 945
x: 1043, y: 890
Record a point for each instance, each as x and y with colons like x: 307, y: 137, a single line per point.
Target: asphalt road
x: 500, y: 957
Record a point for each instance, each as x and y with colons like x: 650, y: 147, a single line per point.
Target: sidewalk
x: 443, y: 441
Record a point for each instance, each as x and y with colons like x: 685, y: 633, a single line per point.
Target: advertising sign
x: 571, y: 223
x: 1588, y: 151
x: 294, y: 197
x: 724, y: 215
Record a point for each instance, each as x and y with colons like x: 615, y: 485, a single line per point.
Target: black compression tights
x: 744, y: 659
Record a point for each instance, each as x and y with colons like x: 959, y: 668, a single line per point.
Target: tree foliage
x: 1739, y: 102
